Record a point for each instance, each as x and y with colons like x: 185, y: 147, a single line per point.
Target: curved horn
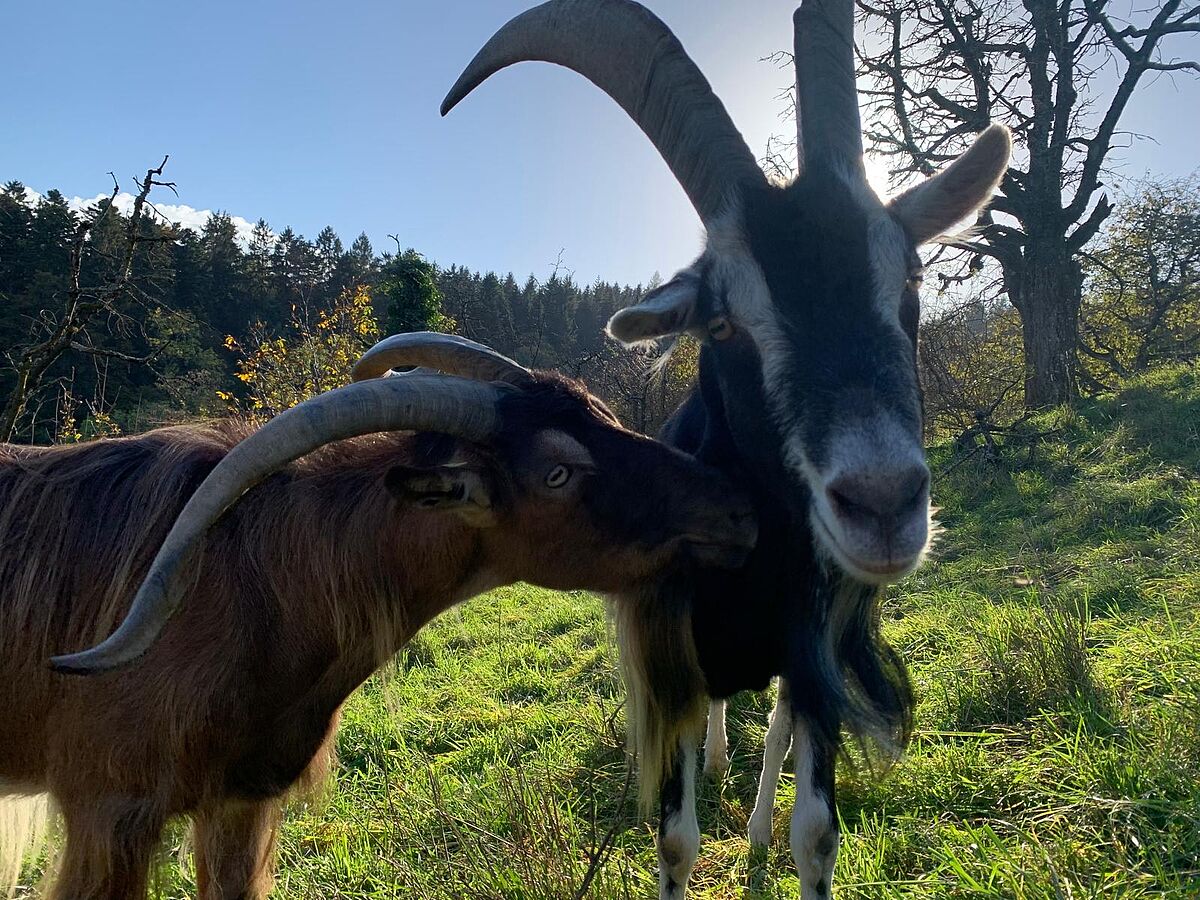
x: 419, y: 403
x: 445, y: 352
x: 627, y: 52
x: 827, y: 119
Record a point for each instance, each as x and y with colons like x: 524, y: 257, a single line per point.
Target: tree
x: 641, y: 385
x: 358, y: 264
x: 223, y: 275
x: 315, y: 354
x: 187, y: 368
x: 941, y: 70
x: 64, y: 330
x: 459, y: 291
x: 558, y: 301
x: 51, y: 230
x: 495, y: 315
x: 16, y: 224
x: 328, y: 250
x: 1141, y: 304
x: 16, y: 262
x: 293, y: 274
x: 258, y: 257
x: 408, y: 283
x: 296, y: 312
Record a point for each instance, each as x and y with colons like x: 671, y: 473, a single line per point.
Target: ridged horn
x: 457, y: 406
x: 828, y: 125
x: 627, y: 52
x: 447, y: 353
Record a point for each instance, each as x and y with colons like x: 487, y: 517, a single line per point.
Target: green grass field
x: 1055, y: 647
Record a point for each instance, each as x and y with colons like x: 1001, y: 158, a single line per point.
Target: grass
x: 1054, y: 643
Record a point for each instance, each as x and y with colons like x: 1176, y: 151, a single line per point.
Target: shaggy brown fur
x: 188, y: 728
x: 301, y: 590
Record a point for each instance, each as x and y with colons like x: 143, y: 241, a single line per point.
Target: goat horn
x: 447, y: 353
x: 627, y: 52
x: 442, y: 403
x: 827, y: 119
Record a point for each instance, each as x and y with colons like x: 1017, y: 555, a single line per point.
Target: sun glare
x: 877, y: 175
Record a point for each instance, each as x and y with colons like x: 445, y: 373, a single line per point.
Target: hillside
x: 1053, y: 642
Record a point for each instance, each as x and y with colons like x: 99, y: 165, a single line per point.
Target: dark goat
x: 806, y: 301
x: 292, y: 582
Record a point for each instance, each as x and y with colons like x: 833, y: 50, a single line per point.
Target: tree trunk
x: 13, y: 408
x: 1048, y: 299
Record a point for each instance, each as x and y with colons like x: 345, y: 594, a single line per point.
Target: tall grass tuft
x: 1020, y: 661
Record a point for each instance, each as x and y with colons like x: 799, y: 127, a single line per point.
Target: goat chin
x: 23, y: 819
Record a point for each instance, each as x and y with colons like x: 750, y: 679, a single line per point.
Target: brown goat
x: 296, y: 594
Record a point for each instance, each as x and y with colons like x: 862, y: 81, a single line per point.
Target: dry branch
x: 83, y: 304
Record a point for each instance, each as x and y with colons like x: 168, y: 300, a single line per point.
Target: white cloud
x: 176, y: 213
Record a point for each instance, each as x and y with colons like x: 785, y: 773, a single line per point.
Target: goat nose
x: 883, y: 496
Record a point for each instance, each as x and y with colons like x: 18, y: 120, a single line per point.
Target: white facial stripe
x: 881, y: 444
x: 887, y: 247
x: 739, y: 278
x: 796, y: 458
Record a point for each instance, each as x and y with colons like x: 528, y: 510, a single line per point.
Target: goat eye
x: 915, y: 280
x: 720, y: 328
x: 558, y: 476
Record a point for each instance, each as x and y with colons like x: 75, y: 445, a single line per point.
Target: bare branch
x: 90, y: 350
x: 1088, y: 229
x: 83, y: 303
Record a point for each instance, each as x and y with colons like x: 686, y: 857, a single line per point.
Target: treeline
x: 202, y: 308
x: 115, y: 323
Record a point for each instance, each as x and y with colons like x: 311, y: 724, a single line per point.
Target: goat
x: 806, y: 302
x: 292, y: 581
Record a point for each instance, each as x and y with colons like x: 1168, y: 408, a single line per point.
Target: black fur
x: 774, y: 616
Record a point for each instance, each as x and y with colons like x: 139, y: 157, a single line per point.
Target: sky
x: 314, y: 113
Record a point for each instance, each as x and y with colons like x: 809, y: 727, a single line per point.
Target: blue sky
x: 314, y: 113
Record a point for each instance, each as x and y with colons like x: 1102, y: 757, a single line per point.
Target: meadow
x: 1054, y: 643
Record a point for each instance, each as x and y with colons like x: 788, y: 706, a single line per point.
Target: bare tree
x: 66, y: 331
x: 1061, y: 74
x: 1141, y: 303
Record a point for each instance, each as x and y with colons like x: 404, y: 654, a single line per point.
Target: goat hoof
x: 759, y: 832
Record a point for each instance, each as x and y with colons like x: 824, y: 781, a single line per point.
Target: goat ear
x: 960, y: 190
x: 668, y: 309
x: 449, y: 489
